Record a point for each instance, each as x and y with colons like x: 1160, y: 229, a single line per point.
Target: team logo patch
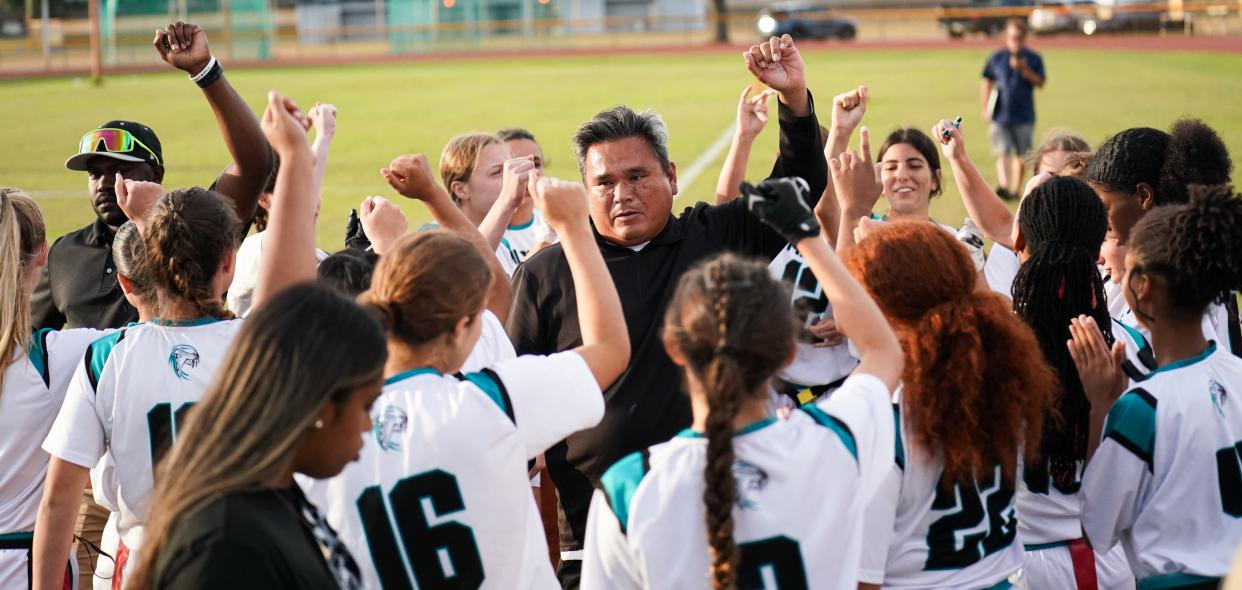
x: 1219, y: 396
x: 750, y: 481
x: 183, y: 358
x: 388, y: 428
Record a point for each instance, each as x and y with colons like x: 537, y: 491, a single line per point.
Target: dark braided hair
x: 1197, y: 247
x: 1190, y: 154
x: 1063, y: 224
x: 734, y: 339
x: 191, y: 232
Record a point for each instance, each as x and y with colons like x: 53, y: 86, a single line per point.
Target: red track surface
x: 1224, y: 44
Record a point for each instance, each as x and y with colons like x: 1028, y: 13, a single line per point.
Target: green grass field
x: 387, y: 110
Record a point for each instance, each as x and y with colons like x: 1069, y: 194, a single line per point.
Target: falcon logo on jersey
x: 388, y: 428
x: 1218, y: 396
x: 750, y: 481
x: 183, y: 358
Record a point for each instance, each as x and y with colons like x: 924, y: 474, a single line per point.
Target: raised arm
x: 323, y: 120
x: 982, y: 205
x: 847, y: 112
x: 289, y: 248
x: 780, y: 204
x: 778, y: 64
x: 605, y: 339
x: 857, y: 184
x: 412, y: 178
x: 752, y: 116
x: 184, y: 46
x: 512, y: 193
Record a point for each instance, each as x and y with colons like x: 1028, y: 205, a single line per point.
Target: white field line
x: 686, y: 179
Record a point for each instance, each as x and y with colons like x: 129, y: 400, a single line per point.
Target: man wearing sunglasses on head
x: 78, y: 287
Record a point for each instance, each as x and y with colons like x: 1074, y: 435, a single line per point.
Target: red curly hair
x: 975, y: 387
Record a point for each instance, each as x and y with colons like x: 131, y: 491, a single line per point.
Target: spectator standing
x: 1010, y: 78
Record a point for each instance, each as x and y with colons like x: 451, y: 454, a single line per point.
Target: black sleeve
x: 801, y: 155
x: 525, y: 325
x: 43, y: 310
x: 215, y: 563
x: 802, y: 151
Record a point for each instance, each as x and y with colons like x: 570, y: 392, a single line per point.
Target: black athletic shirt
x: 646, y: 405
x: 256, y: 540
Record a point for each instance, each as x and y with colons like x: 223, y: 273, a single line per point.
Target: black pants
x: 570, y: 574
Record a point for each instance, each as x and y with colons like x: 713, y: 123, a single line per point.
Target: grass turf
x: 391, y: 109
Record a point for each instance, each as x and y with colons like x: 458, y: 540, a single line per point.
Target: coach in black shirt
x: 624, y: 162
x: 78, y: 287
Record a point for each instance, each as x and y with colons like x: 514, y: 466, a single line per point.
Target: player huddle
x: 903, y: 415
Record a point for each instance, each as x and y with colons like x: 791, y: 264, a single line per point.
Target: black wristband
x: 215, y: 73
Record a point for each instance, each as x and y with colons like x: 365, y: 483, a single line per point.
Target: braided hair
x: 1197, y: 247
x: 1063, y: 224
x: 191, y: 233
x: 1191, y: 153
x: 734, y: 339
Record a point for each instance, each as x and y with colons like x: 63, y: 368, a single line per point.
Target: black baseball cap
x: 126, y: 141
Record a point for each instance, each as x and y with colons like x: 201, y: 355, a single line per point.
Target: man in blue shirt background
x: 1010, y: 78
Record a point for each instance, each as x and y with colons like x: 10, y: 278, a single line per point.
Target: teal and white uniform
x: 1166, y: 481
x: 439, y: 496
x: 34, y: 388
x: 129, y: 398
x: 922, y: 532
x: 802, y: 484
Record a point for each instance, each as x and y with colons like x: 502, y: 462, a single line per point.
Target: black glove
x: 780, y: 203
x: 355, y: 236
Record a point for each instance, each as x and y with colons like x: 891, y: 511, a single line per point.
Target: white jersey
x: 1049, y: 511
x: 1001, y: 269
x: 246, y: 273
x: 1215, y: 324
x: 812, y: 366
x: 922, y: 532
x: 493, y: 345
x: 130, y: 399
x: 517, y: 242
x: 1166, y: 481
x: 440, y: 494
x: 802, y: 484
x: 34, y: 388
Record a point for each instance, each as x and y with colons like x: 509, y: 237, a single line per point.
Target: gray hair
x: 621, y: 122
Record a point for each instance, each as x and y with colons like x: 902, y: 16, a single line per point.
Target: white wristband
x: 206, y: 70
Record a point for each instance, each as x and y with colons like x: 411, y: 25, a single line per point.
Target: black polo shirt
x: 78, y: 287
x: 647, y: 404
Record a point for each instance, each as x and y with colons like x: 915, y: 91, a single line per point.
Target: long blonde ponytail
x: 21, y: 237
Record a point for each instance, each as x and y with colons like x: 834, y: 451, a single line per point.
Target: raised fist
x: 136, y: 198
x: 563, y: 203
x: 284, y: 126
x: 183, y: 46
x: 411, y: 176
x: 781, y: 204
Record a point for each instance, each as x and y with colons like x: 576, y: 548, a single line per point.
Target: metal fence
x: 263, y: 31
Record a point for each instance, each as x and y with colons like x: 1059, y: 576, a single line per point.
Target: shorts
x: 16, y: 562
x: 1011, y: 139
x: 1053, y: 568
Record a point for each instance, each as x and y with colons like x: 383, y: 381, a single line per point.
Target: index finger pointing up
x: 864, y: 144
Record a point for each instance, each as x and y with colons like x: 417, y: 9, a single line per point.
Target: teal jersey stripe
x: 837, y: 426
x: 97, y: 355
x: 490, y: 385
x: 402, y: 376
x: 749, y: 428
x: 16, y: 536
x: 1168, y: 581
x: 899, y: 453
x: 620, y: 483
x: 203, y: 321
x: 1186, y: 362
x: 1042, y: 546
x: 37, y: 352
x: 1001, y: 585
x: 1132, y: 423
x: 523, y: 226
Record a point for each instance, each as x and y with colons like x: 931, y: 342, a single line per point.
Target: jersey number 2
x: 779, y: 555
x: 1229, y: 472
x: 427, y: 549
x: 944, y: 551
